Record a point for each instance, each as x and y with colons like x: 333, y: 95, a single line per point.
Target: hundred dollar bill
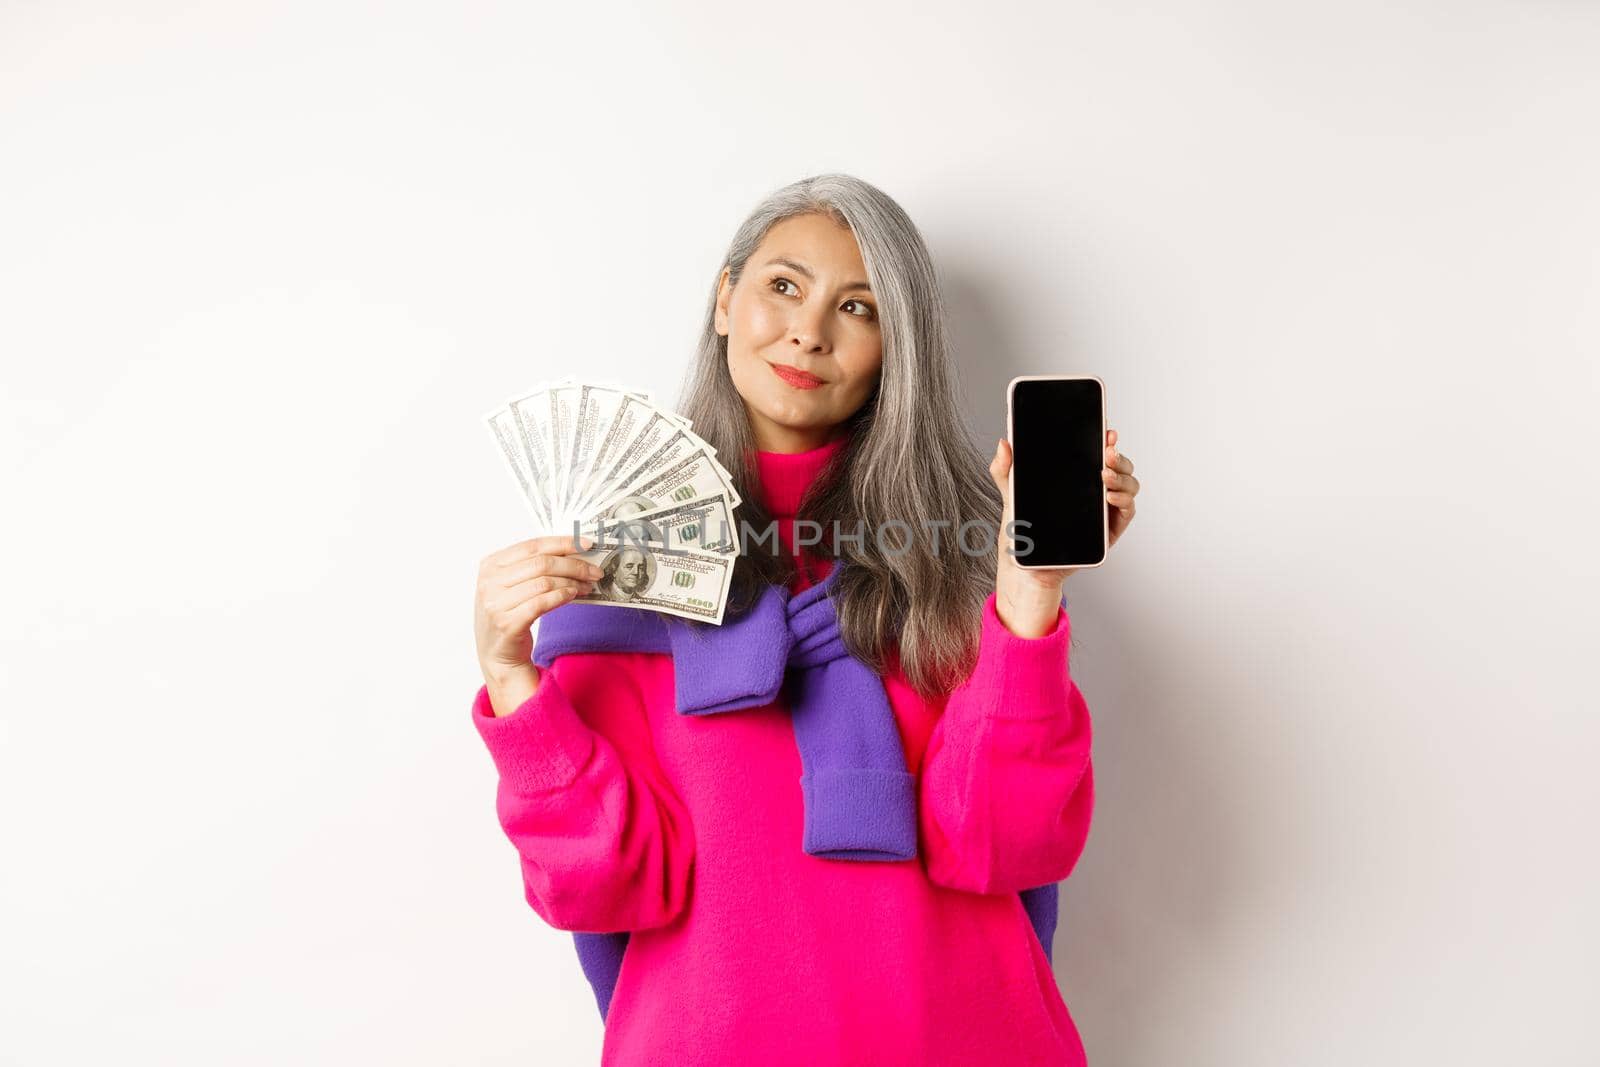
x: 705, y: 525
x: 607, y: 418
x: 616, y: 440
x: 691, y: 477
x: 563, y: 420
x: 503, y: 425
x: 531, y: 412
x: 671, y: 453
x: 629, y: 457
x: 691, y: 585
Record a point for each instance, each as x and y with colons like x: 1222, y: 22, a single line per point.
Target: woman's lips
x: 796, y: 377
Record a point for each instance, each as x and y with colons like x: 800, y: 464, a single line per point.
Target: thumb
x: 1000, y: 465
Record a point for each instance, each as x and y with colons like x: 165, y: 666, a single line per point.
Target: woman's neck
x: 773, y: 437
x: 785, y: 476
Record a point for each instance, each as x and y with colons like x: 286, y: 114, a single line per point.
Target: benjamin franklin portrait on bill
x: 628, y: 573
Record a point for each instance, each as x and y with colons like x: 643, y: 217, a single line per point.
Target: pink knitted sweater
x: 686, y: 831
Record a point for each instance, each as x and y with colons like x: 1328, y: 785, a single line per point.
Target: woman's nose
x: 807, y: 333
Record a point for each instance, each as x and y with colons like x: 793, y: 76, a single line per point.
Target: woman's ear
x: 724, y: 294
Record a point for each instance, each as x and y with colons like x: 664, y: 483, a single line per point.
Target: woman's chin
x: 795, y: 411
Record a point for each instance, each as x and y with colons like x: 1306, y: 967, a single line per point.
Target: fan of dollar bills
x: 594, y: 459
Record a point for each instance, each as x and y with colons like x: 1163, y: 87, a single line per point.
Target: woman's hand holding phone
x: 517, y: 585
x: 1121, y: 487
x: 1027, y: 598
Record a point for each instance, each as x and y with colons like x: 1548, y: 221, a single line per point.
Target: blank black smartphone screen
x: 1057, y: 453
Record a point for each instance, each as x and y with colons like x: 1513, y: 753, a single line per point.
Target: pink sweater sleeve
x: 1007, y: 779
x: 606, y: 844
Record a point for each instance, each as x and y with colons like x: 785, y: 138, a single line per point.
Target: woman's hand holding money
x: 517, y: 585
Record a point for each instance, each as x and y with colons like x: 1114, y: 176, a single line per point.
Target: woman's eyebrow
x: 782, y: 261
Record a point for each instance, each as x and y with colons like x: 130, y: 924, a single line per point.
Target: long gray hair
x: 910, y: 455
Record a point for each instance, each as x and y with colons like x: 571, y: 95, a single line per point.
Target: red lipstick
x: 795, y: 376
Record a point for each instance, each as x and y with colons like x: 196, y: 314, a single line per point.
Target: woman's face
x: 804, y: 347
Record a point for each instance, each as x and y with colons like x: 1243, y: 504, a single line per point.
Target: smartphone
x: 1057, y: 428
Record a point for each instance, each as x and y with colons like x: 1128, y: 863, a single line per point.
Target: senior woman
x: 730, y: 903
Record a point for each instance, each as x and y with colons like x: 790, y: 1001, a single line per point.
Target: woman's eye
x: 863, y: 310
x: 779, y: 283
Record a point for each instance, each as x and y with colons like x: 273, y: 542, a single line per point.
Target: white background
x: 263, y: 266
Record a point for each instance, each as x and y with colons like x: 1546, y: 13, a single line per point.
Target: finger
x: 564, y: 543
x: 509, y: 599
x: 1120, y: 501
x: 542, y: 584
x: 1120, y: 482
x: 549, y: 544
x: 565, y: 566
x: 1117, y: 460
x: 512, y: 553
x: 1000, y: 462
x: 522, y: 616
x: 1001, y: 470
x: 1125, y: 483
x: 1111, y: 437
x: 550, y: 601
